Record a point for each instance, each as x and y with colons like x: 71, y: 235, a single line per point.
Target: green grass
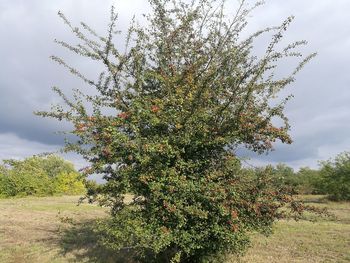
x: 34, y: 230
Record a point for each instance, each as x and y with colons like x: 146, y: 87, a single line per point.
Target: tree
x: 335, y: 177
x: 165, y: 119
x: 283, y: 175
x: 309, y: 181
x: 39, y: 176
x: 54, y: 165
x: 69, y: 183
x: 26, y: 177
x: 5, y: 184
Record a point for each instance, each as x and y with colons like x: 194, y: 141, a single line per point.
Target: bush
x: 165, y: 122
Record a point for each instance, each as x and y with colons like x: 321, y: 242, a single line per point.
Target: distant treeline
x: 52, y: 175
x: 39, y: 176
x: 332, y: 178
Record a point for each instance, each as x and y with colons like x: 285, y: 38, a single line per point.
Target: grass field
x: 55, y: 229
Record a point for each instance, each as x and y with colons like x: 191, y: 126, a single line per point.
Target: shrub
x: 164, y: 124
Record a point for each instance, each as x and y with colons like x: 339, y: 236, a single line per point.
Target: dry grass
x: 30, y: 227
x: 33, y: 230
x: 323, y: 240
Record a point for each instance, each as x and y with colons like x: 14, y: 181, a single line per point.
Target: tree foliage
x: 332, y: 177
x: 39, y: 176
x: 309, y: 181
x: 283, y: 175
x: 165, y: 119
x: 335, y: 177
x: 305, y: 181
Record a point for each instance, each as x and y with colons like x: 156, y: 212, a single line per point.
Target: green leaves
x: 39, y: 176
x: 335, y: 175
x: 169, y: 112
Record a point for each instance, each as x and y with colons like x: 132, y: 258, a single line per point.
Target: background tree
x: 54, y: 165
x: 39, y: 176
x: 165, y: 119
x: 283, y: 175
x: 335, y: 177
x: 27, y: 178
x: 305, y: 181
x: 308, y: 181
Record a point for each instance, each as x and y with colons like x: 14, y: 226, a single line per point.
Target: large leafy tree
x: 166, y: 117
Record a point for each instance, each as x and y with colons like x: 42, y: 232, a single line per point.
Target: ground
x: 55, y: 229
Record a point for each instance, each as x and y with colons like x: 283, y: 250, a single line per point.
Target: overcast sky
x: 319, y: 113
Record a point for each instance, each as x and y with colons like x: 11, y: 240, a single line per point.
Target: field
x: 55, y: 229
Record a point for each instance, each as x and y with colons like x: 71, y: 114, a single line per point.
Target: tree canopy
x: 39, y: 176
x: 335, y: 177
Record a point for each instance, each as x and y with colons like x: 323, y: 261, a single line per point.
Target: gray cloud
x: 319, y: 113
